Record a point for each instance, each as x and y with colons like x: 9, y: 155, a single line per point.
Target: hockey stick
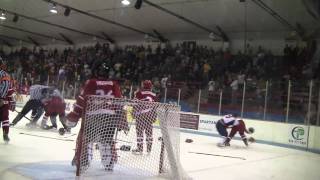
x: 45, y: 137
x: 23, y: 116
x: 209, y: 154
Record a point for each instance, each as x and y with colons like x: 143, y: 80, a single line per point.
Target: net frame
x: 167, y: 151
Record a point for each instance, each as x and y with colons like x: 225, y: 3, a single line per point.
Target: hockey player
x: 100, y: 85
x: 227, y: 121
x: 5, y: 100
x: 239, y: 126
x: 145, y: 116
x: 54, y: 106
x: 9, y: 104
x: 37, y: 94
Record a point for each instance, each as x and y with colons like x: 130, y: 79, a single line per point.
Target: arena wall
x: 295, y: 136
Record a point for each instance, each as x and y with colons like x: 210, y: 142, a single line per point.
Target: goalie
x: 105, y: 139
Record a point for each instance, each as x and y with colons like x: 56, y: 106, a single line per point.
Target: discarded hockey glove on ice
x: 125, y: 148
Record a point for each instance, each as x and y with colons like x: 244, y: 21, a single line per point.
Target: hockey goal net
x: 129, y: 139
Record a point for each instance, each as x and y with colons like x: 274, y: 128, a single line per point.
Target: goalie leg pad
x: 108, y: 155
x: 149, y: 138
x: 139, y: 129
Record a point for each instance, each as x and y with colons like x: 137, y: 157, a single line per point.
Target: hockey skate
x: 67, y: 130
x: 6, y: 138
x: 31, y: 125
x: 46, y: 127
x: 224, y: 144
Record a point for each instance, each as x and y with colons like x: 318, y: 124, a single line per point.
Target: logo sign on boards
x: 298, y: 135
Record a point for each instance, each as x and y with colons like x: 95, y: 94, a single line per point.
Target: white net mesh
x: 129, y: 138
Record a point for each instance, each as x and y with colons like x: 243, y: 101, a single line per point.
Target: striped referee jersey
x: 4, y: 84
x: 36, y: 91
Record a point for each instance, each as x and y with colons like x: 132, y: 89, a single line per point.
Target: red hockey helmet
x: 146, y: 84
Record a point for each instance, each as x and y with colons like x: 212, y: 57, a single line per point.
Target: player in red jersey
x: 240, y: 127
x: 53, y: 107
x: 145, y: 116
x: 100, y: 85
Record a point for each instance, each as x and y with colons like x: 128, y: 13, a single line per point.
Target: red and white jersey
x: 144, y: 95
x: 94, y: 87
x: 54, y: 105
x: 239, y: 127
x: 9, y: 98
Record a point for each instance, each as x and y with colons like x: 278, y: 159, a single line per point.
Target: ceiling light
x: 3, y: 16
x: 125, y: 2
x: 53, y: 9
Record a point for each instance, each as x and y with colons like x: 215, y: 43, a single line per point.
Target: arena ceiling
x: 232, y: 16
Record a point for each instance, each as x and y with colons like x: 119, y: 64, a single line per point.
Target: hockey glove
x: 72, y: 120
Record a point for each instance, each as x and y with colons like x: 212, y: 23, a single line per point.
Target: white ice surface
x: 32, y: 157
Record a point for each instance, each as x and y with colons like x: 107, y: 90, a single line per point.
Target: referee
x: 37, y: 94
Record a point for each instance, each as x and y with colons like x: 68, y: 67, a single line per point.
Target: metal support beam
x: 66, y: 39
x: 107, y: 37
x: 160, y: 36
x: 14, y: 38
x: 31, y: 32
x: 273, y: 13
x: 223, y: 34
x: 99, y: 18
x: 52, y: 24
x: 182, y: 18
x: 33, y: 41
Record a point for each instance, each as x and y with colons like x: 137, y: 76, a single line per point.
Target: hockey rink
x: 39, y: 154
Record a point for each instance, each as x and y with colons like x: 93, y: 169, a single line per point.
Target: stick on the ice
x: 209, y: 154
x: 23, y: 116
x: 46, y: 137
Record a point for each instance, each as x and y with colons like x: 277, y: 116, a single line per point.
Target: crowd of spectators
x: 131, y: 64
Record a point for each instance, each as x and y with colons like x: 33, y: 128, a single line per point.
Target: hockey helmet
x: 146, y: 84
x: 102, y: 69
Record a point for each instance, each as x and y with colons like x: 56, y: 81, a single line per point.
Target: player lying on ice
x: 106, y: 123
x: 236, y: 125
